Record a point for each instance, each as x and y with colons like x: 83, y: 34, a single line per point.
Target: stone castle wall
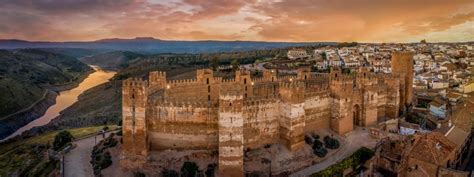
x: 230, y: 115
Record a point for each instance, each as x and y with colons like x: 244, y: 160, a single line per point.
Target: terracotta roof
x: 453, y: 95
x: 432, y: 147
x: 449, y: 66
x: 438, y: 102
x: 457, y: 135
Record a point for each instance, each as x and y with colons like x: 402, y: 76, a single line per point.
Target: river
x: 67, y: 98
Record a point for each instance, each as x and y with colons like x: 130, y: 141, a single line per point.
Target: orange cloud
x: 283, y: 20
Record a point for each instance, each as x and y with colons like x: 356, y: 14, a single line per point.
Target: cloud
x: 361, y: 20
x: 70, y: 6
x: 273, y: 20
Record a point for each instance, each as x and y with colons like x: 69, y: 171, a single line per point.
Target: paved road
x: 77, y: 161
x: 353, y: 141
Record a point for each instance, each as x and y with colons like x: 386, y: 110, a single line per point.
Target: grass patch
x: 27, y: 157
x: 357, y: 158
x: 49, y: 137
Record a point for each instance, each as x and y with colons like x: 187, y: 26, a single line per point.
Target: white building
x: 297, y: 54
x: 438, y: 108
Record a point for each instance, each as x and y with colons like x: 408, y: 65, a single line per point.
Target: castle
x: 230, y: 115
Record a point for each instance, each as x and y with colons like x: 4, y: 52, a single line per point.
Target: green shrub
x: 189, y: 169
x: 101, y: 158
x: 62, y: 139
x: 331, y: 143
x: 317, y: 144
x: 308, y: 139
x: 210, y: 171
x: 320, y: 152
x: 318, y: 149
x: 169, y: 173
x: 315, y: 136
x: 101, y: 161
x: 139, y: 174
x: 359, y: 157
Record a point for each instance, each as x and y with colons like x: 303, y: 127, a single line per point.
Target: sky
x: 254, y: 20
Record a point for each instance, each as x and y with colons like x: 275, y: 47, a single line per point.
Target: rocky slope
x: 27, y: 77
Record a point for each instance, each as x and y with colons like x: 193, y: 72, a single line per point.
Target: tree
x: 189, y: 169
x: 235, y: 64
x: 62, y: 139
x: 211, y: 168
x: 214, y: 64
x: 169, y: 173
x: 331, y: 143
x: 423, y: 41
x: 323, y: 55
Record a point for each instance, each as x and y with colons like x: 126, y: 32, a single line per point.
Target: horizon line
x: 217, y: 40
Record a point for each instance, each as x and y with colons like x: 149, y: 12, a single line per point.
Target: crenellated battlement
x: 225, y: 81
x: 135, y: 82
x: 182, y: 82
x: 343, y: 79
x: 230, y: 115
x: 320, y: 75
x: 176, y: 103
x: 292, y: 84
x: 158, y: 74
x: 260, y: 100
x: 286, y: 78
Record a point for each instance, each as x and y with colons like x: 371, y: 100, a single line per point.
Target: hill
x: 75, y: 52
x: 25, y: 73
x: 112, y: 60
x: 150, y: 45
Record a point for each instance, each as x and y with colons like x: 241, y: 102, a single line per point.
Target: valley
x: 29, y: 80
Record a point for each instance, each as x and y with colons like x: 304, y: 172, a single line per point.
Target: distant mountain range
x: 151, y: 45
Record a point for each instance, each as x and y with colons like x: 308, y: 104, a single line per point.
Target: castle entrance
x: 356, y: 115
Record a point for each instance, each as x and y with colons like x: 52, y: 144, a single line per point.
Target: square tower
x: 402, y: 65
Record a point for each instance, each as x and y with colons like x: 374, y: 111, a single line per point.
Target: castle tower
x: 135, y: 145
x: 157, y: 80
x: 392, y: 107
x: 204, y: 75
x: 243, y: 77
x: 231, y: 138
x: 303, y: 73
x: 366, y: 86
x: 292, y: 114
x: 270, y: 75
x: 402, y: 65
x: 343, y: 113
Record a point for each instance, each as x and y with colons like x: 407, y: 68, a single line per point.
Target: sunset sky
x: 263, y: 20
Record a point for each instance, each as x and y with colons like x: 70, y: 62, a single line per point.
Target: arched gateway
x: 356, y: 118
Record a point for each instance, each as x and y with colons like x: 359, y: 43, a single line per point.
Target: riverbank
x: 11, y: 123
x: 72, y: 84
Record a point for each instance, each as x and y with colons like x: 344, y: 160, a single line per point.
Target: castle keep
x: 245, y: 112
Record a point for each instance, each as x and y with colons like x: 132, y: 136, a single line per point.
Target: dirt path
x: 353, y: 141
x: 77, y: 161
